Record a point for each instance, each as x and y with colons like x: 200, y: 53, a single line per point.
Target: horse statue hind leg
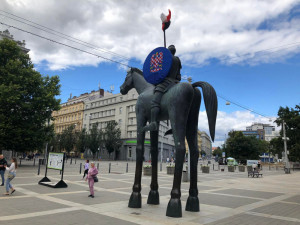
x: 192, y: 203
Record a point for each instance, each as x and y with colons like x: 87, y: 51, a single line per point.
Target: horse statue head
x: 129, y: 80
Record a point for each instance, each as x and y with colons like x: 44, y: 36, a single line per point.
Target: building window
x: 85, y: 116
x: 120, y: 110
x: 120, y: 122
x: 130, y: 134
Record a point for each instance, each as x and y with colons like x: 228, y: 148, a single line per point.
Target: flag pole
x: 165, y: 38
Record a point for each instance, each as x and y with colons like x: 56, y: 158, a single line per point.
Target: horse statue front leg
x: 135, y: 200
x: 153, y: 197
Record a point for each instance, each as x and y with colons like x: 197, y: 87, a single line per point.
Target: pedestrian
x: 3, y: 163
x: 11, y: 175
x: 254, y: 166
x: 92, y: 175
x: 86, y: 168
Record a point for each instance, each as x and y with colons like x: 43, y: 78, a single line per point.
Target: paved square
x: 225, y: 198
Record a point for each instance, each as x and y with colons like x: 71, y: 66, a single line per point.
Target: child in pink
x: 90, y: 178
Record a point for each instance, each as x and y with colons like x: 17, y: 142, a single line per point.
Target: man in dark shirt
x: 2, y: 168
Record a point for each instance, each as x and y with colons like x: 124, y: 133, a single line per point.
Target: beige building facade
x: 121, y: 108
x: 69, y: 114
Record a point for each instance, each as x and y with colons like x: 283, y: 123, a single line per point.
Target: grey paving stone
x: 280, y: 209
x: 100, y: 197
x: 16, y: 206
x: 70, y: 218
x: 45, y: 190
x: 221, y: 200
x: 295, y: 199
x: 246, y: 219
x: 249, y: 193
x: 113, y: 184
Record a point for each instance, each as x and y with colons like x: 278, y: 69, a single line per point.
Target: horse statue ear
x: 129, y: 70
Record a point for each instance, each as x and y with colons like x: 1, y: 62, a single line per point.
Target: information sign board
x: 55, y: 160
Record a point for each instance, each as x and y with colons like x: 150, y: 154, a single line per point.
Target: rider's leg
x: 155, y: 109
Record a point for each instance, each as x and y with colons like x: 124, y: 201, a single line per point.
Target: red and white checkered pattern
x: 156, y: 62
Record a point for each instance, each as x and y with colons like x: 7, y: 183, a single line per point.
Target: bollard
x: 34, y: 162
x: 75, y: 160
x: 97, y: 166
x: 127, y: 168
x: 213, y: 166
x: 160, y: 166
x: 39, y: 169
x: 71, y: 161
x: 109, y: 167
x: 80, y: 168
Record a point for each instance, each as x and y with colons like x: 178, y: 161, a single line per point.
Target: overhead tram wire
x: 244, y: 107
x: 62, y: 35
x: 57, y: 42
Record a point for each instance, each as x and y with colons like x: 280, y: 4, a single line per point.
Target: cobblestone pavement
x: 225, y: 198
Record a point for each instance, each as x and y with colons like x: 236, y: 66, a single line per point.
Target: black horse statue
x: 181, y: 105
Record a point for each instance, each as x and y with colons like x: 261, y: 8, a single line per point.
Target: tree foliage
x: 95, y: 138
x: 27, y: 100
x: 218, y: 152
x: 291, y: 117
x: 112, y: 138
x: 242, y: 147
x: 81, y: 141
x: 68, y: 138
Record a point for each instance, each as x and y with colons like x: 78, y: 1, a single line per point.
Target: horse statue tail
x: 211, y: 105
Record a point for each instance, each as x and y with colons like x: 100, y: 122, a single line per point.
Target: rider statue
x: 172, y: 78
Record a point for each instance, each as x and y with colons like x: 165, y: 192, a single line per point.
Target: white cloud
x: 201, y: 30
x: 226, y: 122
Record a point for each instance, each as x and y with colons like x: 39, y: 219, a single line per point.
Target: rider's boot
x: 153, y: 125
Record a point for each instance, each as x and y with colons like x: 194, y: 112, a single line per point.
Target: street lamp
x: 287, y: 166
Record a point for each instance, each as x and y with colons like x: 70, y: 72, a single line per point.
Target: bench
x: 254, y: 174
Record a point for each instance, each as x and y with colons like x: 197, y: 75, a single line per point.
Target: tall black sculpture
x: 181, y: 105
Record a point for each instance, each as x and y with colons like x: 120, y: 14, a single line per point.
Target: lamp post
x: 287, y: 167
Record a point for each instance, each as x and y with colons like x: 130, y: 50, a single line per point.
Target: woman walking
x: 92, y: 173
x: 11, y: 175
x: 86, y: 168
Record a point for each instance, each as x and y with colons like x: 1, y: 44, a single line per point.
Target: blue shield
x: 157, y: 65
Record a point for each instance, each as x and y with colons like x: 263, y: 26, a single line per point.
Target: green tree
x: 68, y: 138
x: 218, y: 152
x: 55, y: 143
x: 81, y: 140
x: 242, y: 147
x: 27, y: 100
x: 112, y: 139
x: 291, y: 117
x: 94, y: 139
x: 276, y: 146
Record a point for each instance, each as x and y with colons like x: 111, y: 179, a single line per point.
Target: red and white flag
x: 166, y: 20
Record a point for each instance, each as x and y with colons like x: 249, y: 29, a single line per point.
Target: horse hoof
x: 192, y: 204
x: 174, y: 208
x: 153, y: 198
x: 135, y: 200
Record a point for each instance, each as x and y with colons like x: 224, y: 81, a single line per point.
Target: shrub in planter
x: 170, y: 169
x: 205, y: 169
x: 241, y: 168
x: 147, y: 170
x: 230, y: 168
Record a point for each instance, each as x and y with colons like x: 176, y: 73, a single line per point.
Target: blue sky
x: 248, y: 50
